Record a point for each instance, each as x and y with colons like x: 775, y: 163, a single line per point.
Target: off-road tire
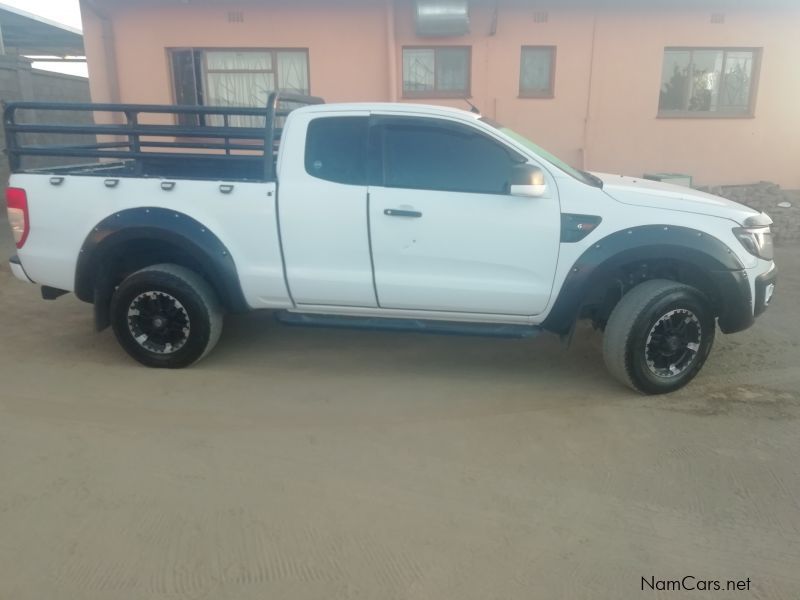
x: 187, y: 312
x: 632, y: 332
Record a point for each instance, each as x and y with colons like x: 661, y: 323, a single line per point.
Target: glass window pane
x: 448, y: 158
x: 336, y: 149
x: 184, y: 83
x: 183, y: 77
x: 536, y: 70
x: 452, y: 69
x: 293, y: 71
x: 238, y: 89
x: 418, y: 73
x: 734, y: 93
x: 229, y: 82
x: 705, y: 72
x: 229, y: 60
x: 674, y: 80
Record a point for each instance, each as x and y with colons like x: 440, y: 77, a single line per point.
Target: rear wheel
x: 659, y: 336
x: 166, y: 316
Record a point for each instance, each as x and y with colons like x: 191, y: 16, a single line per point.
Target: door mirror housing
x: 527, y: 181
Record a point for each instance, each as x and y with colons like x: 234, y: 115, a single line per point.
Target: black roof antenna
x: 472, y: 107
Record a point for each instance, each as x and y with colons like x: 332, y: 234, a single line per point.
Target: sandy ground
x: 324, y: 464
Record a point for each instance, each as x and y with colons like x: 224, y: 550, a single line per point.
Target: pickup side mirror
x: 527, y: 181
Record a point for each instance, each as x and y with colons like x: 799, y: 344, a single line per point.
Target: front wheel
x: 166, y: 316
x: 659, y: 336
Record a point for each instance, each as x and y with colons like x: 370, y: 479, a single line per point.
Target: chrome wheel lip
x: 178, y: 321
x: 683, y: 343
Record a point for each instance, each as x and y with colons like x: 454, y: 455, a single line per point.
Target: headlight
x: 756, y: 240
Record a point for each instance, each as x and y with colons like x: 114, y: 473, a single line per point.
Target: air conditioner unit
x: 440, y: 18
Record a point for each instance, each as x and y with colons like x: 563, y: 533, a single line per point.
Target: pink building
x: 709, y: 88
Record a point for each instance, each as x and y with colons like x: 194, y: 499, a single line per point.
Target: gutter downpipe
x: 391, y: 50
x: 587, y: 116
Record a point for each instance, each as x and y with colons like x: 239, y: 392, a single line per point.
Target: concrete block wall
x: 19, y: 82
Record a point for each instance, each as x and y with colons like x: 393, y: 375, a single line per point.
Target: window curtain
x: 293, y: 71
x: 536, y: 65
x: 238, y: 79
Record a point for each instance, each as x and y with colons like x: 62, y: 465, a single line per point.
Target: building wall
x: 608, y: 70
x: 624, y: 133
x: 347, y: 48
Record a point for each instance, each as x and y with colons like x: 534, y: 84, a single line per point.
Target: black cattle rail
x: 218, y: 149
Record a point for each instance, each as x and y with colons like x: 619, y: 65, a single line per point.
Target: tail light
x: 17, y: 202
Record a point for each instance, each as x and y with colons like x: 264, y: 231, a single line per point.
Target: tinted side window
x: 444, y: 156
x: 336, y: 149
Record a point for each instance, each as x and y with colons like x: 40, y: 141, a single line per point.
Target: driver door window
x: 429, y: 154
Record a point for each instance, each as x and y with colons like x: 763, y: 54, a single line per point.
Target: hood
x: 655, y: 194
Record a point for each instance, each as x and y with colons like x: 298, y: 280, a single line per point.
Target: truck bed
x: 66, y: 208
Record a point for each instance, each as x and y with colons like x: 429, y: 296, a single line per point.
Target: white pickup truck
x: 374, y: 215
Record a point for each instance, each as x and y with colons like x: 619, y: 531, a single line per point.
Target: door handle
x: 397, y: 212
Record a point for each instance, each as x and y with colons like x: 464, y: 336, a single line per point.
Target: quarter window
x: 708, y: 82
x: 537, y: 71
x: 336, y: 149
x: 441, y: 72
x: 438, y: 155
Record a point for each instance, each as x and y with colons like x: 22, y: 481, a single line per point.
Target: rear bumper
x: 18, y: 270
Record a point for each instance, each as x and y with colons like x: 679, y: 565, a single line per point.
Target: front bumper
x: 736, y: 300
x: 765, y: 287
x: 739, y: 307
x: 18, y: 270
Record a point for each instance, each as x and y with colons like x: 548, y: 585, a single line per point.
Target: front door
x: 445, y: 233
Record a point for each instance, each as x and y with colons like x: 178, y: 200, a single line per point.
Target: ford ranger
x: 395, y: 216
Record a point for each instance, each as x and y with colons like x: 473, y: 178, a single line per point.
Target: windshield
x: 581, y: 176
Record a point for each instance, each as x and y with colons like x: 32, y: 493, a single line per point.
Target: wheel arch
x: 136, y: 238
x: 616, y: 263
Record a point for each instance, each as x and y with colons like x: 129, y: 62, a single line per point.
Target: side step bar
x: 416, y: 325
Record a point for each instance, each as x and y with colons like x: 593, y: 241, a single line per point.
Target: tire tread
x: 620, y: 326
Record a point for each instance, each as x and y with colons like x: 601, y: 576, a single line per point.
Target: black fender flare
x: 651, y: 242
x: 163, y: 225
